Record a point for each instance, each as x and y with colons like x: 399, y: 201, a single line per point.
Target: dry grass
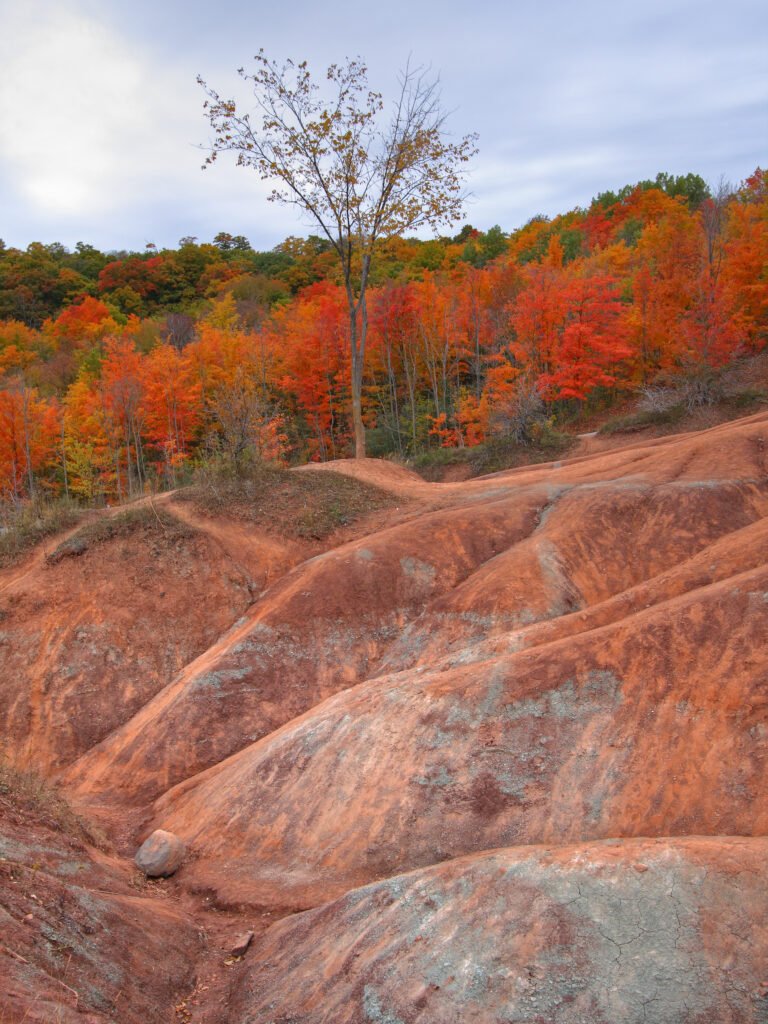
x: 146, y: 518
x: 677, y: 419
x: 24, y: 528
x: 309, y: 506
x: 492, y: 457
x: 24, y: 791
x: 686, y: 404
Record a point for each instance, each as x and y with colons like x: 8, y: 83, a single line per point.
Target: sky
x: 101, y: 119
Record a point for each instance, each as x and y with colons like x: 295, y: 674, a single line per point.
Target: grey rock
x: 160, y: 855
x: 241, y: 944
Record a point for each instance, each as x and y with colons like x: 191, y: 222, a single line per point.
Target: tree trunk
x: 27, y: 443
x: 357, y: 421
x: 357, y: 346
x: 64, y: 460
x: 357, y: 339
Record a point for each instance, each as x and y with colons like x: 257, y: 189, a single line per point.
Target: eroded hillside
x: 502, y: 748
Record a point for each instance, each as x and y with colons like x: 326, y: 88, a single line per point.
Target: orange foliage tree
x: 466, y: 338
x: 29, y: 437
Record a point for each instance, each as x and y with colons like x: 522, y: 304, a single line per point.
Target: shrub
x: 644, y: 418
x: 495, y: 455
x: 520, y: 415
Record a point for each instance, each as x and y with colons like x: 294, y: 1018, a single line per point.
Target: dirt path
x: 34, y: 560
x: 257, y: 554
x: 249, y: 547
x: 604, y: 457
x: 261, y: 556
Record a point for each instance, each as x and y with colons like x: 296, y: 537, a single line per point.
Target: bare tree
x: 515, y: 416
x: 360, y: 177
x: 241, y: 411
x: 178, y: 330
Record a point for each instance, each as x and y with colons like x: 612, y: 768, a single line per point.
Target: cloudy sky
x: 100, y: 115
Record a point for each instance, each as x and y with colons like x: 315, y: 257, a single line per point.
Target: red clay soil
x: 608, y: 933
x: 513, y: 549
x: 79, y: 942
x: 565, y: 665
x: 317, y: 631
x: 650, y: 726
x: 87, y: 640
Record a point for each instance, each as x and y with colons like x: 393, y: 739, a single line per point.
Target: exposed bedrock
x: 669, y: 931
x: 315, y: 632
x: 655, y: 725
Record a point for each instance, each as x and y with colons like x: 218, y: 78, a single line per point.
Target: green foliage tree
x: 231, y: 243
x: 691, y: 186
x: 481, y: 248
x: 360, y: 177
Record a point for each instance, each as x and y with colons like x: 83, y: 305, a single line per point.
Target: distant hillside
x: 120, y: 372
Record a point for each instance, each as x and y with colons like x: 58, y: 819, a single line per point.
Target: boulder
x: 160, y: 855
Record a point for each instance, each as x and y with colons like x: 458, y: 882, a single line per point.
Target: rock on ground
x: 160, y: 855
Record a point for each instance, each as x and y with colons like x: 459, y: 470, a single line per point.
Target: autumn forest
x: 121, y: 371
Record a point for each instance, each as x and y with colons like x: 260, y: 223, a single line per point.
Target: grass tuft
x: 304, y: 505
x: 146, y: 518
x: 748, y: 400
x: 25, y: 791
x: 22, y: 529
x: 492, y: 457
x: 636, y: 421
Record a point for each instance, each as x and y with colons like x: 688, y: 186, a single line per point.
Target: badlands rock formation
x: 500, y: 759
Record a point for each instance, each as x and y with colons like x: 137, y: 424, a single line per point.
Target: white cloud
x: 100, y: 113
x: 72, y: 108
x: 98, y: 136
